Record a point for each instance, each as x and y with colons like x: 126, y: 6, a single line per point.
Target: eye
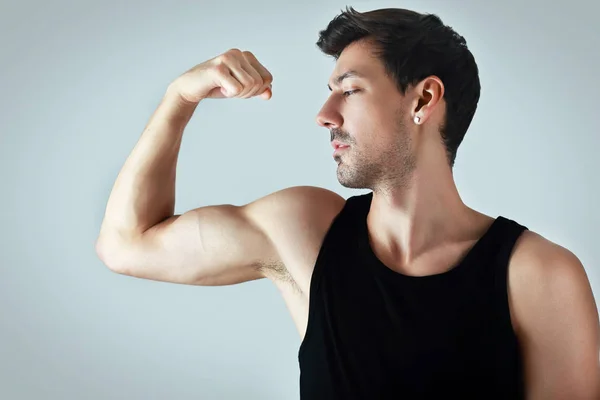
x: 349, y: 93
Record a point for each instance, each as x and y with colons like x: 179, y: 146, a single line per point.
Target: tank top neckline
x: 380, y: 267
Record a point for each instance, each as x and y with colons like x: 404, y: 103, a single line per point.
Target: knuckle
x: 221, y: 68
x: 228, y: 56
x: 221, y: 59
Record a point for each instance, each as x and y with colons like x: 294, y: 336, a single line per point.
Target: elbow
x: 109, y: 257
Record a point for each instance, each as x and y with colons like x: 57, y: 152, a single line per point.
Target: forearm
x: 144, y: 191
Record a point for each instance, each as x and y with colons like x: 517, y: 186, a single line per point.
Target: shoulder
x: 555, y: 318
x: 295, y: 220
x: 308, y: 196
x: 538, y: 254
x: 538, y: 259
x: 297, y: 203
x: 539, y: 265
x: 546, y: 282
x: 297, y: 214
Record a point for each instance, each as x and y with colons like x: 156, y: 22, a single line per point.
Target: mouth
x: 339, y: 149
x: 338, y: 145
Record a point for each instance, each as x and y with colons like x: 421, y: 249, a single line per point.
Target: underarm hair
x: 277, y: 270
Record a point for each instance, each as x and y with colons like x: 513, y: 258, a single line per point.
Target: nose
x: 324, y: 122
x: 329, y: 118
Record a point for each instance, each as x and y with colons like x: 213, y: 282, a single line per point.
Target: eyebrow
x: 348, y: 74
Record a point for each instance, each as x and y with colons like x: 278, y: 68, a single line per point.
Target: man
x: 404, y: 292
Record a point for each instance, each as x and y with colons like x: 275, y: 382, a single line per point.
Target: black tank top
x: 374, y: 333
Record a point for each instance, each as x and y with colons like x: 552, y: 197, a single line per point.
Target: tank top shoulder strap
x: 358, y: 206
x: 335, y: 237
x: 340, y: 234
x: 500, y: 249
x: 505, y: 237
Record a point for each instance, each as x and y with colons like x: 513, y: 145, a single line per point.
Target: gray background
x: 78, y: 82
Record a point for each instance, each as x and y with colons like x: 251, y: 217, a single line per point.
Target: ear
x: 428, y: 94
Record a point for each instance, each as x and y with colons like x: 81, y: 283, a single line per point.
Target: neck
x: 422, y: 213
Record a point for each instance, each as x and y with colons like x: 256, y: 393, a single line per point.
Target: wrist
x: 176, y: 105
x: 173, y: 95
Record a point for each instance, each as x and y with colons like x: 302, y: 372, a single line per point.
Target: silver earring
x: 417, y: 119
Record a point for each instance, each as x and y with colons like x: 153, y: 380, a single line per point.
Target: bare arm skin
x: 225, y: 244
x: 214, y: 245
x: 555, y: 317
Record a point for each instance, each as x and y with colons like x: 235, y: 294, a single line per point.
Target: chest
x: 373, y: 335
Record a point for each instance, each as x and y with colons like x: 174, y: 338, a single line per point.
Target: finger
x: 267, y: 93
x: 264, y: 73
x: 229, y: 85
x: 243, y: 76
x: 257, y: 80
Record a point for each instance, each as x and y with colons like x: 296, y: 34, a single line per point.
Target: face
x: 367, y: 113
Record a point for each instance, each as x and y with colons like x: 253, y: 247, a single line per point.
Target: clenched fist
x: 234, y: 73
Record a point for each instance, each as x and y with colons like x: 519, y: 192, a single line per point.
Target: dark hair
x: 413, y: 46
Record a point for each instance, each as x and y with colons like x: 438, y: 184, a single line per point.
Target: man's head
x: 394, y: 65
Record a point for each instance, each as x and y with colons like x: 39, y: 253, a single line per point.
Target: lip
x: 336, y: 145
x: 339, y: 149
